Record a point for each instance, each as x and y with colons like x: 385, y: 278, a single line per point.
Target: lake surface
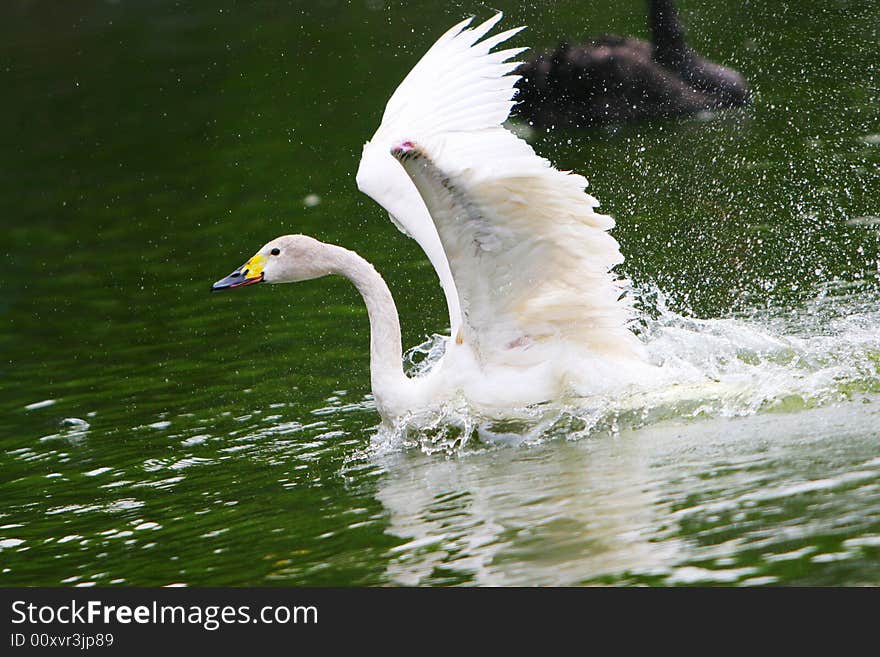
x: 152, y: 433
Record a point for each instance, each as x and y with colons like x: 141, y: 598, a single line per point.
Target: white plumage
x: 474, y: 90
x: 520, y: 251
x: 523, y: 257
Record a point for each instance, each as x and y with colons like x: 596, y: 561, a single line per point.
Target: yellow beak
x: 249, y: 273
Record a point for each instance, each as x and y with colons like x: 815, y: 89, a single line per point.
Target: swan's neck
x: 386, y: 354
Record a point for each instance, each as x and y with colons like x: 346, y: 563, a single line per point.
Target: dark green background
x: 149, y: 147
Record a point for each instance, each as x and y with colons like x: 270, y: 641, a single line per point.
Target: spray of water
x: 771, y: 360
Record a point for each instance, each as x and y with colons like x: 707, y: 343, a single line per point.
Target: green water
x: 150, y: 147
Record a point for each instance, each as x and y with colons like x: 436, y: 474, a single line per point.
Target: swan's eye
x: 275, y: 251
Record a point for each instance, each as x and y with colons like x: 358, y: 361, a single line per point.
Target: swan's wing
x: 457, y: 85
x: 529, y: 254
x: 517, y: 243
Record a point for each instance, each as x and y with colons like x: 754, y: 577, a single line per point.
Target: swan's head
x: 286, y: 259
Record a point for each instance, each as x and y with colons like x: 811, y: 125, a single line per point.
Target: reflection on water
x: 762, y: 499
x: 749, y: 500
x: 555, y: 514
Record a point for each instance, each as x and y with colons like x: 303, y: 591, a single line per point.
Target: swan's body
x: 615, y: 79
x: 523, y: 258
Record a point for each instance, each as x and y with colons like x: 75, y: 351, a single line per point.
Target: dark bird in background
x: 616, y: 79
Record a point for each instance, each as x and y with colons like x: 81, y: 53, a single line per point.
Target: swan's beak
x: 249, y: 273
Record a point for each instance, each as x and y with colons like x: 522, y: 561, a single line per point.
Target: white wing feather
x: 529, y: 255
x: 517, y: 243
x: 473, y: 89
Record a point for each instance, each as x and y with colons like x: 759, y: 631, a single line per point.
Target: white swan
x: 523, y: 258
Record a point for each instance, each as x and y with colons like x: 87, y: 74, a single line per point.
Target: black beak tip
x: 234, y: 280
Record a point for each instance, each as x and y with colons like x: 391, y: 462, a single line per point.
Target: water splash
x: 774, y: 359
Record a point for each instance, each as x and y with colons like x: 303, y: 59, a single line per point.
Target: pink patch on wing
x: 402, y: 147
